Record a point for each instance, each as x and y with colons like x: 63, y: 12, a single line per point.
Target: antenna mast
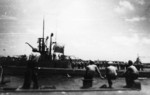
x: 43, y: 45
x: 43, y: 26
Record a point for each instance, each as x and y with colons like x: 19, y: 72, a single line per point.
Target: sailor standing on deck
x: 90, y: 71
x: 31, y: 74
x: 131, y: 74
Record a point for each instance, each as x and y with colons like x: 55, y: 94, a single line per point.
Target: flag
x: 59, y: 49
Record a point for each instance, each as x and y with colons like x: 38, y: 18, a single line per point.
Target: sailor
x: 2, y: 75
x: 90, y: 71
x: 131, y: 74
x: 54, y: 56
x: 111, y: 74
x: 30, y: 74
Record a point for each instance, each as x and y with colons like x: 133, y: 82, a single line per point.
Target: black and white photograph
x: 74, y: 47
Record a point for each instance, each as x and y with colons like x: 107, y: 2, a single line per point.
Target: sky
x: 89, y: 29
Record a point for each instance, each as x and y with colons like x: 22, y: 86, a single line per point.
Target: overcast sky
x: 89, y: 29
